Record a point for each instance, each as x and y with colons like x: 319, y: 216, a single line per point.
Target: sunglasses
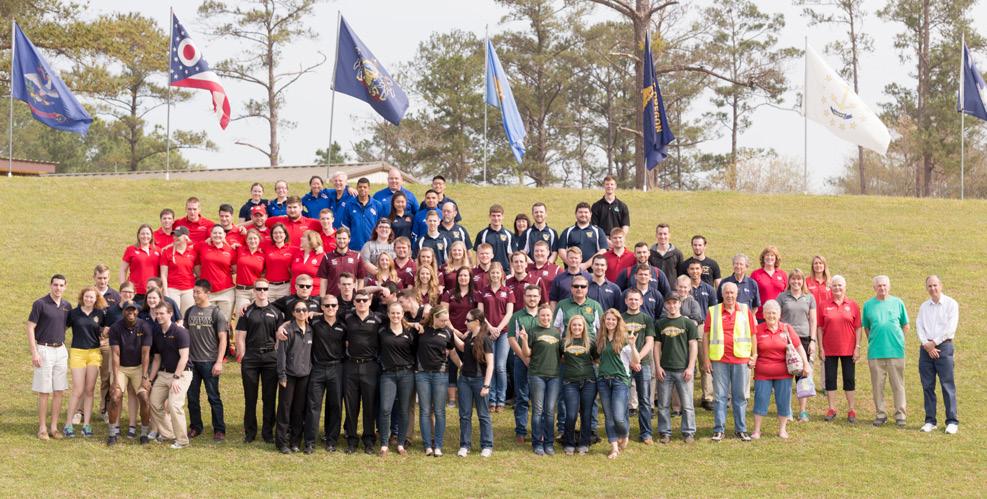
x: 303, y: 286
x: 580, y: 286
x: 261, y: 289
x: 361, y: 300
x: 301, y: 310
x: 330, y: 305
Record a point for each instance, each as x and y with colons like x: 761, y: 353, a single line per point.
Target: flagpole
x: 805, y: 120
x: 962, y: 121
x: 486, y: 73
x: 332, y: 89
x: 171, y: 40
x: 10, y: 127
x: 647, y: 37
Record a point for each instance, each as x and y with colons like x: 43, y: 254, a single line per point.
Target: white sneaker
x: 952, y: 428
x: 437, y: 453
x: 463, y: 452
x: 486, y: 452
x: 177, y: 445
x: 428, y: 451
x: 927, y: 428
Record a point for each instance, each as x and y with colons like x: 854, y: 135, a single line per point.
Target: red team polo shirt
x: 143, y: 266
x: 771, y: 348
x: 328, y: 241
x: 547, y: 272
x: 839, y: 322
x: 161, y: 239
x: 277, y: 263
x: 180, y: 266
x: 249, y: 266
x: 335, y: 263
x: 295, y: 228
x: 728, y: 319
x: 769, y: 286
x: 215, y: 265
x: 234, y: 238
x: 481, y: 280
x: 197, y: 231
x: 302, y: 265
x: 406, y: 273
x: 495, y: 303
x: 616, y: 264
x: 517, y: 287
x: 820, y: 291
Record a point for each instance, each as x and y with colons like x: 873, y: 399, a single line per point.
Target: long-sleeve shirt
x: 937, y: 321
x: 295, y: 353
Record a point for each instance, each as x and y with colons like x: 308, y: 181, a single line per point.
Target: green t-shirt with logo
x: 643, y: 326
x: 674, y: 335
x: 546, y: 350
x: 884, y: 319
x: 578, y: 360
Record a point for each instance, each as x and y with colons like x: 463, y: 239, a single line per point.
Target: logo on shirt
x: 440, y: 246
x: 551, y: 340
x: 588, y: 310
x: 349, y: 260
x: 503, y: 237
x: 576, y: 349
x: 590, y: 234
x: 545, y: 236
x: 634, y: 327
x: 672, y: 332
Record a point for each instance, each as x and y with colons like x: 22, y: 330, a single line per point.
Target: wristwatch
x: 486, y: 386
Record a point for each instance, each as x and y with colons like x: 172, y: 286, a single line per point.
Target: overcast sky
x: 393, y: 30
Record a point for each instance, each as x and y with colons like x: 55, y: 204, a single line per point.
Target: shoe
x: 569, y: 451
x: 549, y: 451
x: 804, y: 417
x: 131, y: 432
x: 648, y: 441
x: 755, y: 436
x: 428, y: 451
x: 900, y: 423
x: 294, y: 448
x: 42, y: 434
x: 519, y: 439
x: 664, y: 439
x: 743, y: 436
x: 350, y: 449
x: 582, y: 450
x: 707, y: 404
x: 330, y: 448
x: 952, y: 428
x: 69, y: 431
x: 192, y: 433
x: 689, y: 438
x: 110, y: 440
x: 369, y: 451
x: 268, y: 440
x: 489, y: 452
x: 177, y: 445
x: 284, y: 450
x: 248, y: 440
x: 383, y: 451
x: 632, y: 413
x: 55, y: 435
x: 880, y: 421
x: 676, y: 414
x: 77, y: 418
x: 144, y: 440
x: 851, y: 417
x: 309, y: 448
x: 87, y: 431
x: 539, y: 451
x: 153, y: 435
x: 717, y: 436
x: 463, y: 452
x: 438, y: 452
x: 219, y: 436
x: 927, y: 428
x: 830, y: 415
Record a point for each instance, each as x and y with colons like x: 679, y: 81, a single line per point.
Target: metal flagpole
x: 171, y: 41
x: 962, y: 121
x: 486, y: 74
x: 10, y: 127
x: 805, y: 121
x: 332, y: 88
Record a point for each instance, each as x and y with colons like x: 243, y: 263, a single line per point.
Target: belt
x: 945, y: 341
x: 51, y: 345
x: 264, y: 350
x: 241, y: 287
x: 440, y: 371
x: 361, y: 361
x: 187, y: 369
x: 398, y: 368
x: 278, y: 283
x: 324, y: 363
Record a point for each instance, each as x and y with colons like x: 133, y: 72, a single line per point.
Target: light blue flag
x: 499, y: 95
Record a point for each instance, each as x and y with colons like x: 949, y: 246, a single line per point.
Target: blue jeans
x: 397, y: 385
x: 432, y: 390
x: 580, y: 398
x: 520, y: 398
x: 544, y: 396
x: 202, y: 374
x: 498, y: 385
x: 642, y: 379
x: 613, y: 392
x: 469, y: 398
x: 928, y: 369
x: 729, y: 381
x: 674, y: 380
x: 783, y: 396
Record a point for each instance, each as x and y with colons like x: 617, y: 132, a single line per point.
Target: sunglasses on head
x: 303, y: 286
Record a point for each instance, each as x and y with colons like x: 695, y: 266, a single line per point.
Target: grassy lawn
x: 69, y: 225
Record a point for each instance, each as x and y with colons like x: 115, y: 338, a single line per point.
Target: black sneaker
x: 880, y: 421
x: 330, y: 448
x: 707, y: 404
x: 285, y: 450
x: 294, y: 448
x: 743, y: 436
x: 145, y: 440
x: 350, y: 449
x: 248, y: 439
x: 369, y: 451
x: 309, y: 448
x: 111, y: 440
x: 717, y: 436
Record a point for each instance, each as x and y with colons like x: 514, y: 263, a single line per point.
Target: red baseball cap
x: 259, y: 208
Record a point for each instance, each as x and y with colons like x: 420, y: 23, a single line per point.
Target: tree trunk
x: 133, y: 130
x: 732, y: 167
x: 923, y: 90
x: 272, y: 102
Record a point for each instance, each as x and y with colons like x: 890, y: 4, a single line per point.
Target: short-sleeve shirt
x: 617, y: 263
x: 335, y: 263
x: 459, y: 306
x: 249, y: 265
x: 131, y: 340
x: 517, y: 286
x: 839, y: 322
x: 433, y: 349
x: 204, y: 326
x: 608, y: 294
x: 643, y: 325
x: 295, y: 228
x: 181, y: 267
x: 198, y: 231
x: 471, y: 367
x: 769, y: 286
x: 578, y: 360
x: 50, y: 319
x: 820, y: 290
x: 884, y: 320
x: 362, y: 340
x: 589, y: 309
x: 495, y: 303
x: 397, y: 350
x: 521, y: 320
x: 277, y: 262
x: 86, y: 328
x: 728, y: 319
x: 401, y: 225
x: 561, y: 287
x: 796, y: 312
x: 216, y: 265
x: 144, y: 264
x: 711, y: 269
x: 161, y: 239
x: 608, y: 215
x: 244, y: 213
x: 502, y: 242
x: 546, y: 351
x: 259, y: 324
x: 168, y: 343
x: 704, y: 294
x: 615, y: 364
x: 308, y: 264
x: 533, y: 234
x: 674, y: 335
x: 590, y: 239
x: 748, y: 292
x: 439, y: 244
x: 771, y: 346
x: 457, y: 233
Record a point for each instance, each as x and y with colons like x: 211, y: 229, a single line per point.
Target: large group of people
x: 355, y: 309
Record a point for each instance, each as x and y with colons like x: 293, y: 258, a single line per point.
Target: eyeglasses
x: 580, y: 286
x: 301, y: 310
x: 303, y: 286
x: 261, y: 289
x: 361, y: 300
x: 330, y: 305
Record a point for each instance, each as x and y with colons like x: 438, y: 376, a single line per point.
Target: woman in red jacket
x: 217, y: 264
x: 771, y: 340
x: 140, y: 261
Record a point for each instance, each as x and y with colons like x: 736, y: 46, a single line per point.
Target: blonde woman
x: 541, y: 348
x: 306, y: 260
x: 578, y: 385
x: 615, y: 351
x: 427, y: 286
x: 458, y: 258
x: 88, y: 322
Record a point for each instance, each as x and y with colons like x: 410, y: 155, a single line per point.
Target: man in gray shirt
x: 209, y: 330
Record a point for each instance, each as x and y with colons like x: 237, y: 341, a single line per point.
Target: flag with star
x: 190, y: 70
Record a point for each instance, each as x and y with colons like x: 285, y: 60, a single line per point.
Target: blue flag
x: 44, y: 92
x: 972, y: 86
x: 499, y: 95
x: 657, y: 134
x: 360, y: 74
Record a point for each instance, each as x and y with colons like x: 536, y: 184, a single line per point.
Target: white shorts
x: 52, y: 376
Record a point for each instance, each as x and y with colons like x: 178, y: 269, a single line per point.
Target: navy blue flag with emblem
x: 44, y: 92
x: 360, y: 74
x: 972, y: 88
x: 657, y: 134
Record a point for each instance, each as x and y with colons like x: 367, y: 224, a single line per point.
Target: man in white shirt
x: 937, y: 319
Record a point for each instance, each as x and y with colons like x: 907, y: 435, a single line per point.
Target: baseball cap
x: 129, y: 304
x: 258, y: 208
x: 180, y: 231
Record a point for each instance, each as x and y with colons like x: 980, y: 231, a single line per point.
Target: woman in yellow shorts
x: 88, y: 324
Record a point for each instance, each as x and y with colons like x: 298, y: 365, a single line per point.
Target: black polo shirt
x: 533, y: 234
x: 433, y: 348
x: 86, y: 329
x: 439, y: 244
x: 361, y: 334
x: 131, y: 340
x: 397, y: 350
x: 51, y: 319
x: 328, y: 341
x: 245, y: 209
x: 711, y: 269
x: 168, y: 343
x: 609, y: 215
x: 260, y: 324
x: 502, y: 242
x: 471, y: 367
x: 111, y: 296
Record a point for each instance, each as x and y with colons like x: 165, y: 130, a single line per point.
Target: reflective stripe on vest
x: 741, y: 333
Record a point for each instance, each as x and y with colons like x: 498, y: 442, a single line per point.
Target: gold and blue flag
x: 359, y: 74
x: 657, y: 134
x: 499, y: 95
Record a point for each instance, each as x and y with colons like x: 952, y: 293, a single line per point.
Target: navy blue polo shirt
x: 651, y: 304
x: 607, y: 294
x: 501, y: 240
x: 168, y: 343
x: 245, y: 209
x: 533, y: 234
x: 626, y: 279
x: 50, y: 319
x: 361, y: 218
x: 86, y: 329
x: 704, y: 294
x: 312, y: 205
x: 561, y: 287
x: 419, y: 226
x: 457, y: 233
x: 747, y: 292
x: 276, y: 209
x: 442, y: 202
x: 131, y: 340
x: 384, y: 196
x: 439, y: 244
x: 590, y: 239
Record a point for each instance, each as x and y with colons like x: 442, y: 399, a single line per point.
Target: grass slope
x: 69, y: 225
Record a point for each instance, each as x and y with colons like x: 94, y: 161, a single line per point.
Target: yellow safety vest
x: 741, y: 332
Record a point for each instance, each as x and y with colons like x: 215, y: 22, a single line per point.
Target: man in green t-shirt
x: 885, y: 322
x: 526, y: 318
x: 641, y: 325
x: 676, y: 348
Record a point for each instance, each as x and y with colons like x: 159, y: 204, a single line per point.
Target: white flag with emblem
x: 828, y: 100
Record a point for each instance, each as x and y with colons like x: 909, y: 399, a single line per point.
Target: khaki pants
x: 104, y: 375
x: 705, y: 380
x: 241, y: 298
x: 183, y: 297
x: 892, y: 370
x: 168, y: 409
x: 223, y: 301
x: 278, y: 290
